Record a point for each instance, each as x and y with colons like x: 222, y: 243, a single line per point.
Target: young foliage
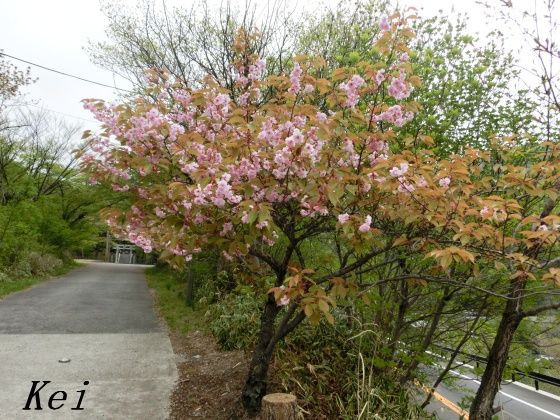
x: 214, y: 168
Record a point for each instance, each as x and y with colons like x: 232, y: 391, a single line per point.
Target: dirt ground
x: 210, y: 380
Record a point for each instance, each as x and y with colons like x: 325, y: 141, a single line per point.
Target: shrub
x: 334, y: 370
x: 42, y: 264
x: 21, y: 268
x: 329, y: 367
x: 235, y: 321
x: 4, y: 278
x: 31, y: 264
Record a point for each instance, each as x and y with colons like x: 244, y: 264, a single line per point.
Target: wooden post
x: 107, y: 246
x: 189, y: 286
x: 279, y: 407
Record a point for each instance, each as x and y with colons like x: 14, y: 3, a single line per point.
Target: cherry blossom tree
x: 255, y: 180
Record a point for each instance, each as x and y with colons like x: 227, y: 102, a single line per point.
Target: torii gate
x: 124, y: 254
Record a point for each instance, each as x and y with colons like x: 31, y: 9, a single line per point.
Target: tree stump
x: 279, y: 407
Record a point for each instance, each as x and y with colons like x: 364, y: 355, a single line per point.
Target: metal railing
x: 535, y: 376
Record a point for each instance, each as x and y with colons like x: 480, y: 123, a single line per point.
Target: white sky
x: 53, y: 33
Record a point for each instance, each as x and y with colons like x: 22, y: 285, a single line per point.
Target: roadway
x: 519, y: 401
x: 100, y: 317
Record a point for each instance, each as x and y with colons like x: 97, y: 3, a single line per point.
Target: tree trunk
x: 482, y: 406
x: 255, y: 386
x: 428, y: 338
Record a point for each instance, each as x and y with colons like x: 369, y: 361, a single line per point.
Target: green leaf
x: 335, y: 193
x: 323, y: 306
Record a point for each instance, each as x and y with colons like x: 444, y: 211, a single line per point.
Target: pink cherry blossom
x: 262, y: 225
x: 366, y: 226
x: 395, y: 115
x: 255, y: 70
x: 380, y: 76
x: 444, y: 182
x: 295, y: 79
x: 295, y: 139
x: 486, y: 212
x: 421, y: 182
x: 214, y: 158
x: 343, y: 218
x: 384, y: 24
x: 351, y: 88
x: 227, y: 227
x: 284, y: 300
x: 321, y: 117
x: 400, y: 170
x: 398, y: 88
x: 308, y: 88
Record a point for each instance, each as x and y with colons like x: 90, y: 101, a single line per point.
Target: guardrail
x: 537, y: 377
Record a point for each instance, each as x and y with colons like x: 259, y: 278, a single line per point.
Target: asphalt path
x: 101, y: 318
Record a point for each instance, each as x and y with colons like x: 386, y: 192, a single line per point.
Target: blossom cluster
x: 395, y: 115
x: 351, y: 88
x: 202, y: 166
x: 295, y: 79
x: 399, y: 88
x: 251, y: 73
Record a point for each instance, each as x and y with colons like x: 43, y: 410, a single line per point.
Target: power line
x: 62, y: 73
x: 62, y: 113
x: 44, y: 108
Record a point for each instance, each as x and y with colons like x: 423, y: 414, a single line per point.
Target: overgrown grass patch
x: 8, y: 285
x: 169, y: 290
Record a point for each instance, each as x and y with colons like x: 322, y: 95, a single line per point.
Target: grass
x: 169, y: 288
x: 12, y: 286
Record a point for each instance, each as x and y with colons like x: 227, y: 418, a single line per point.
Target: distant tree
x: 539, y: 27
x: 470, y: 90
x: 12, y: 80
x: 190, y: 42
x: 35, y: 156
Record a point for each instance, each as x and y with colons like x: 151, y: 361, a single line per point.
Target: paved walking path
x: 99, y: 316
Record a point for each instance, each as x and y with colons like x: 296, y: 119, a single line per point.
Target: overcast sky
x: 53, y: 33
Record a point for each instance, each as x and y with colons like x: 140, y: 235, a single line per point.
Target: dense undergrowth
x: 331, y: 368
x: 37, y: 268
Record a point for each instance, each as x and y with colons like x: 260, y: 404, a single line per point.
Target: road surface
x: 519, y: 402
x: 99, y: 316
